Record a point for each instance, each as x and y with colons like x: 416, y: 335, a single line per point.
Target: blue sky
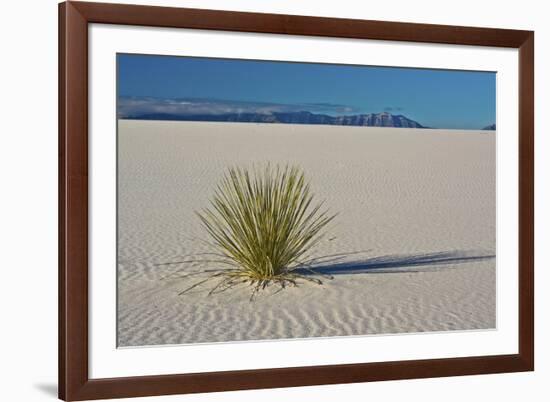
x: 434, y: 98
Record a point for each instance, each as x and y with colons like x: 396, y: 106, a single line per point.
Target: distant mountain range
x: 491, y: 127
x: 368, y: 120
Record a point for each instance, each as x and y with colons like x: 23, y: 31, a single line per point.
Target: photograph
x: 277, y: 200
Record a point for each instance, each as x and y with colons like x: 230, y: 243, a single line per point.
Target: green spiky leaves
x: 264, y: 222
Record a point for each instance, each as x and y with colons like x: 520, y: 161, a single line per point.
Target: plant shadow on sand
x: 329, y: 266
x: 339, y: 264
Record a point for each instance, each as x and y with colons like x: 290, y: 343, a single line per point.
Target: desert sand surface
x: 411, y: 250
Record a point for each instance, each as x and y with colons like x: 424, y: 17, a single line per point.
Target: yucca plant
x: 263, y: 223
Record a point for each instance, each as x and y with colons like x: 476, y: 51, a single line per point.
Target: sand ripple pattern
x: 415, y: 235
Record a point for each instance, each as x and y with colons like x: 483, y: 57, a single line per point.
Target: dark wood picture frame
x: 74, y: 381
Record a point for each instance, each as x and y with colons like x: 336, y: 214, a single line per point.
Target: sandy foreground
x: 412, y: 248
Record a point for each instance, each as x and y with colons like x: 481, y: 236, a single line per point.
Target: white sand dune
x: 412, y: 248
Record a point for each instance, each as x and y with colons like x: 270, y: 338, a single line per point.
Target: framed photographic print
x: 259, y: 200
